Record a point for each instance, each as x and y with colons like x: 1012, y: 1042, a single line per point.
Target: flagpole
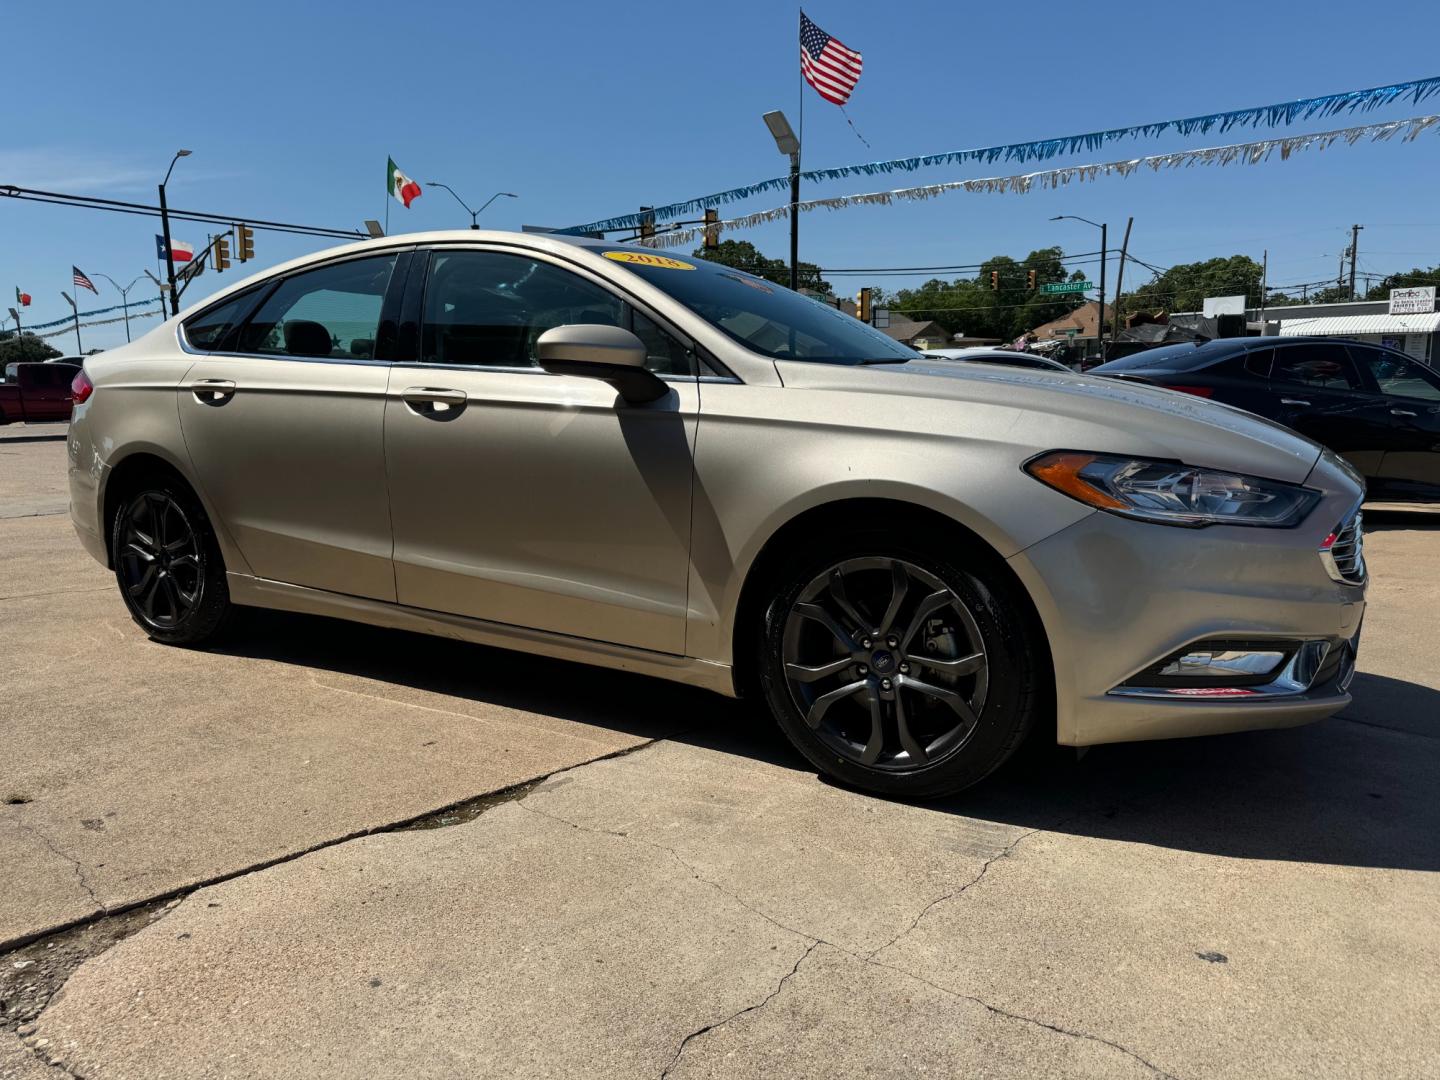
x: 795, y: 180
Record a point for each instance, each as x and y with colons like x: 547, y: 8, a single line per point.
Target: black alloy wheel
x: 168, y: 564
x: 898, y: 671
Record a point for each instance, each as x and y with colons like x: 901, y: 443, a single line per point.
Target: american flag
x: 828, y: 66
x: 83, y: 282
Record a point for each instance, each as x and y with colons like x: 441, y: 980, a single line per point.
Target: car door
x: 283, y: 425
x: 1317, y: 389
x: 530, y: 499
x: 1411, y: 393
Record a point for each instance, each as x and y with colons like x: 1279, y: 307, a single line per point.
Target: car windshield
x: 768, y: 318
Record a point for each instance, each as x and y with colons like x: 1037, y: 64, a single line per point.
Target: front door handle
x: 1402, y: 412
x: 1293, y: 401
x: 212, y: 391
x: 434, y: 403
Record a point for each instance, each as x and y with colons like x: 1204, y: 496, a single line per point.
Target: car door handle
x: 212, y: 391
x: 434, y: 403
x: 1293, y: 401
x: 1402, y: 412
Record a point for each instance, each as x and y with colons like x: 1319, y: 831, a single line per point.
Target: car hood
x: 1067, y: 411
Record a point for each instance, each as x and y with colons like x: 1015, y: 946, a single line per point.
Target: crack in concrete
x: 1387, y: 727
x: 56, y: 592
x: 864, y: 958
x: 680, y: 1050
x: 1004, y: 853
x: 75, y: 865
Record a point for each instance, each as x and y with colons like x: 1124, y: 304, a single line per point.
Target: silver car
x: 605, y: 454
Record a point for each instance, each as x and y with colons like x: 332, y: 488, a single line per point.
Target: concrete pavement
x: 702, y: 905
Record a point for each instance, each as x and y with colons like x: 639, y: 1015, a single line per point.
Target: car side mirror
x: 608, y: 353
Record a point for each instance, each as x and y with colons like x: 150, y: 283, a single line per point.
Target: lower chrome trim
x: 1295, y: 678
x: 261, y: 592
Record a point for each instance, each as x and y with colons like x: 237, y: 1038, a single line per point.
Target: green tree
x: 1404, y: 281
x: 1185, y: 286
x: 973, y: 307
x: 743, y: 255
x: 26, y: 348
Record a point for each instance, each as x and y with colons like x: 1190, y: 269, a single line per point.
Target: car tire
x: 168, y: 563
x: 907, y: 679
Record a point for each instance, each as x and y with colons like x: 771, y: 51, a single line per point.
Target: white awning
x: 1361, y: 324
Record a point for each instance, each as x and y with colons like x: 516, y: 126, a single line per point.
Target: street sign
x: 882, y: 318
x: 1066, y: 287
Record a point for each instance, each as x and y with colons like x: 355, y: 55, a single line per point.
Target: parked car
x: 1376, y: 407
x: 1008, y: 357
x: 601, y: 453
x: 36, y: 392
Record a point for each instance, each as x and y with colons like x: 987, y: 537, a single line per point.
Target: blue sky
x: 589, y: 109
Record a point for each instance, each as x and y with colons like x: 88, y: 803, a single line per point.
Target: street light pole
x: 124, y: 299
x: 788, y: 143
x: 473, y: 213
x: 1104, y: 254
x: 79, y: 348
x: 165, y: 230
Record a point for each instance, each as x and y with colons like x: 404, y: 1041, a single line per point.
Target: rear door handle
x: 434, y: 403
x: 212, y: 391
x: 1402, y: 412
x: 1293, y: 401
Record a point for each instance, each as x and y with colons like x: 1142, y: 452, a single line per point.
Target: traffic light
x: 245, y: 243
x: 862, y: 305
x: 712, y: 227
x: 1032, y: 279
x: 647, y: 221
x: 995, y: 280
x: 222, y: 253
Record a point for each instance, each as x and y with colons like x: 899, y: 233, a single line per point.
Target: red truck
x: 36, y: 392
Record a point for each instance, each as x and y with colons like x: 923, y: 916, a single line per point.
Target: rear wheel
x: 168, y: 563
x: 900, y: 668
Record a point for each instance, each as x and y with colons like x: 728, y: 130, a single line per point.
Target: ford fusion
x: 609, y: 455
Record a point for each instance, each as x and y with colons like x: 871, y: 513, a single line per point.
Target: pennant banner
x: 69, y: 320
x: 1279, y: 115
x: 1252, y: 153
x: 70, y: 329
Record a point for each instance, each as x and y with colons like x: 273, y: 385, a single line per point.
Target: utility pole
x: 1264, y: 285
x: 1120, y: 278
x: 165, y: 230
x: 1354, y: 249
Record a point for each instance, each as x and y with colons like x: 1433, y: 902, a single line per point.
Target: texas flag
x: 180, y: 251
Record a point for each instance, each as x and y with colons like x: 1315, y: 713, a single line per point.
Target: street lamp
x: 165, y: 230
x: 1104, y: 253
x: 787, y: 143
x: 162, y: 287
x: 473, y: 213
x: 16, y: 316
x: 79, y: 349
x: 124, y: 298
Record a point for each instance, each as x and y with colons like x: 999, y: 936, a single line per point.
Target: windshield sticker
x: 641, y: 258
x: 752, y: 282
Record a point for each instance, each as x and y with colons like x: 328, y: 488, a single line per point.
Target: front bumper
x: 1118, y: 597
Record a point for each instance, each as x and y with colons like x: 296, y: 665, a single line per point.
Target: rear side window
x: 329, y: 313
x: 210, y: 329
x: 1320, y: 365
x: 1258, y: 362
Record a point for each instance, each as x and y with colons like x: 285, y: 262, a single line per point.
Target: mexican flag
x: 400, y: 185
x: 22, y: 299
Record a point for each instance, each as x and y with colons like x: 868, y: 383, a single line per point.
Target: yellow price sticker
x: 644, y: 258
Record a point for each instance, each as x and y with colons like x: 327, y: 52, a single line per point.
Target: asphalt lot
x: 678, y: 895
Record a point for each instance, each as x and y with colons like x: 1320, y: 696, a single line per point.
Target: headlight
x: 1172, y: 494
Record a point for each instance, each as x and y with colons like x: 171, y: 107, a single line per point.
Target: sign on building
x: 1419, y: 300
x: 1223, y: 305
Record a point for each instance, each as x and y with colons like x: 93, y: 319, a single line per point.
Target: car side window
x: 209, y: 330
x: 488, y: 308
x: 1318, y: 365
x: 329, y: 313
x: 1258, y: 362
x: 1399, y: 375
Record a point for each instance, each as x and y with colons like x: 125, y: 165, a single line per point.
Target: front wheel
x: 168, y: 563
x: 898, y: 668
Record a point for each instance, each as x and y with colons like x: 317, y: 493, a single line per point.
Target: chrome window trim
x: 535, y: 370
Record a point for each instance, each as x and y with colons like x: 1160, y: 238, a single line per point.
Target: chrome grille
x: 1344, y: 555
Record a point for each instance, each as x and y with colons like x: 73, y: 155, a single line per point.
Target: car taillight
x: 1198, y: 391
x: 81, y: 388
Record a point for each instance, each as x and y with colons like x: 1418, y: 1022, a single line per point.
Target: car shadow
x: 1354, y: 790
